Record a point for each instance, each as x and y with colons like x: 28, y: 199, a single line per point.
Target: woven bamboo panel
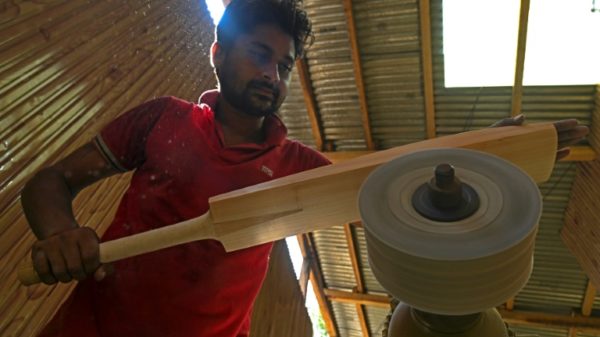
x: 66, y: 69
x: 594, y: 137
x: 580, y: 232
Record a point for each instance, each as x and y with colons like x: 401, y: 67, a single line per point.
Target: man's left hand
x: 569, y: 132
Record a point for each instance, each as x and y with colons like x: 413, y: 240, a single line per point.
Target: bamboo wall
x: 66, y: 69
x: 279, y: 309
x: 580, y: 232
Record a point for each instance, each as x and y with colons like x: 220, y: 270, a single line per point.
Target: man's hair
x: 242, y: 16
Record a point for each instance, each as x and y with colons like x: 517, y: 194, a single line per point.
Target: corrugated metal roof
x: 389, y: 44
x: 330, y: 64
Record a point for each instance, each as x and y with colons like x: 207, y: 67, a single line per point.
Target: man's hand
x: 568, y: 130
x: 72, y: 254
x: 569, y: 133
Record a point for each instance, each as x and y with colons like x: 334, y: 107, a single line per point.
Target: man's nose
x: 271, y: 72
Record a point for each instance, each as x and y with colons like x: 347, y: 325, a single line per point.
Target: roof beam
x: 358, y: 76
x: 310, y: 101
x: 318, y: 283
x: 578, y: 153
x: 517, y: 91
x: 364, y: 299
x: 530, y: 318
x: 588, y: 299
x: 541, y: 319
x: 357, y: 276
x: 426, y: 63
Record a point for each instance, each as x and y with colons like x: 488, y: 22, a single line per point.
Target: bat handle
x: 183, y: 232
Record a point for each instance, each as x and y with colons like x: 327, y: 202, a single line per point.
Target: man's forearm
x: 46, y: 201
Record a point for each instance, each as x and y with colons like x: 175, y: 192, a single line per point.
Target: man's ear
x: 217, y: 54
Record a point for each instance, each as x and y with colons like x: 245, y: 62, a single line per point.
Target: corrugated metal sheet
x: 389, y: 44
x: 347, y: 320
x: 332, y: 75
x: 294, y: 115
x: 334, y: 258
x: 376, y: 318
x: 66, y: 69
x: 524, y: 331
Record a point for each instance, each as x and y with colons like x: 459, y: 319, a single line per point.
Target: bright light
x: 216, y: 9
x: 480, y: 42
x: 312, y: 306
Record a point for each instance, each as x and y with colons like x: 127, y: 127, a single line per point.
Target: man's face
x: 254, y: 74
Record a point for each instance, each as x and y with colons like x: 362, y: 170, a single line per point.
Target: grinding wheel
x: 451, y: 267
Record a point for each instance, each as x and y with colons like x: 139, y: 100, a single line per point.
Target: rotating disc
x: 457, y: 267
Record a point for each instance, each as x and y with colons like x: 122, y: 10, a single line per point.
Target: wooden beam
x: 304, y: 276
x: 358, y: 76
x: 425, y: 23
x: 530, y: 318
x: 510, y: 304
x: 578, y: 153
x: 540, y: 319
x: 573, y: 332
x: 311, y: 103
x: 355, y: 298
x: 318, y: 283
x: 517, y: 92
x: 588, y: 299
x: 360, y: 310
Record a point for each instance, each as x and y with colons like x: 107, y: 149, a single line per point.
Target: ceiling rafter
x: 316, y: 279
x: 358, y: 75
x: 427, y: 66
x: 360, y: 310
x: 517, y: 92
x: 311, y: 103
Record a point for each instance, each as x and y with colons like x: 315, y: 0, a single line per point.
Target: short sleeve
x: 123, y: 141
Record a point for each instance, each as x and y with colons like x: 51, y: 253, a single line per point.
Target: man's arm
x: 65, y: 251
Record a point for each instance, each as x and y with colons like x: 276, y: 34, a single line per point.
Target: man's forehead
x: 271, y: 38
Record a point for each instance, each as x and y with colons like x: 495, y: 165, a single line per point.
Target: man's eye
x: 285, y: 68
x: 259, y: 56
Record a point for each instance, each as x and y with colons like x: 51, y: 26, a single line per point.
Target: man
x: 182, y: 154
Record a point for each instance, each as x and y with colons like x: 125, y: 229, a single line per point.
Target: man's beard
x: 246, y: 101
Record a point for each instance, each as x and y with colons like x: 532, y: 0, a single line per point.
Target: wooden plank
x: 358, y: 76
x: 322, y: 197
x: 588, y: 299
x: 311, y: 103
x: 426, y: 64
x: 318, y: 283
x: 517, y: 92
x: 358, y: 278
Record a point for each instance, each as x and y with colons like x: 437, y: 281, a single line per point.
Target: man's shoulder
x: 304, y: 153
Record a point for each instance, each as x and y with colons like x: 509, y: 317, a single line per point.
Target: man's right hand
x: 68, y: 255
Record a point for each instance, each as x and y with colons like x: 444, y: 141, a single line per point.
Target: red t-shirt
x: 196, y: 289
